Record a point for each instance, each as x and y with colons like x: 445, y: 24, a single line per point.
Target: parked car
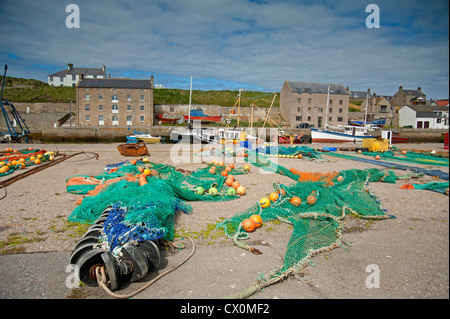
x: 303, y: 125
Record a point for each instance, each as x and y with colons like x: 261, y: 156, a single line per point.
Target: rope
x: 101, y: 277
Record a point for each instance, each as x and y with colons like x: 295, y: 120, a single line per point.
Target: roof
x: 76, y: 71
x: 123, y: 83
x: 442, y: 102
x: 413, y: 92
x: 316, y: 88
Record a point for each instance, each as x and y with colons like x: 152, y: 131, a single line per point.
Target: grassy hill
x: 34, y: 91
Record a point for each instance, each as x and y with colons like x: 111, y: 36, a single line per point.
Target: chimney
x: 151, y: 80
x: 419, y: 89
x: 400, y: 88
x: 104, y: 69
x: 69, y: 66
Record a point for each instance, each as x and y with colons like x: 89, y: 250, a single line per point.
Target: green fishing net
x: 165, y: 193
x: 317, y: 225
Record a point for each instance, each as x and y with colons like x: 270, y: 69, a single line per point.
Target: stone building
x: 306, y: 103
x: 71, y: 75
x: 409, y: 97
x: 115, y: 102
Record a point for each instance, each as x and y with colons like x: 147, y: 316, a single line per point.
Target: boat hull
x: 204, y: 118
x: 319, y: 136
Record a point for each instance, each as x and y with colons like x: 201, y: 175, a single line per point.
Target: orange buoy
x: 311, y: 199
x: 231, y: 165
x: 257, y: 219
x: 377, y: 157
x: 296, y: 201
x: 235, y: 184
x: 240, y: 190
x: 224, y: 173
x: 246, y: 168
x: 264, y: 202
x: 249, y: 225
x: 273, y: 197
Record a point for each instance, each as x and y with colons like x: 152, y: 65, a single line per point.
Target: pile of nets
x: 13, y: 161
x: 317, y: 225
x: 165, y: 193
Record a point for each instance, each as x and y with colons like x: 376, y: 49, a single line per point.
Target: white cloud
x: 237, y: 42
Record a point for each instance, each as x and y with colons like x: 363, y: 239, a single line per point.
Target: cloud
x: 235, y: 43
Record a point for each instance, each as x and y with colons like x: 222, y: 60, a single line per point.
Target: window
x: 115, y: 98
x: 100, y: 107
x: 330, y: 110
x: 115, y: 108
x: 87, y: 107
x: 299, y: 109
x: 309, y: 118
x: 142, y: 118
x: 88, y: 118
x: 100, y: 97
x: 299, y: 100
x: 340, y: 110
x: 142, y: 97
x: 115, y: 120
x: 298, y: 118
x: 309, y: 101
x: 128, y: 107
x: 330, y: 119
x: 331, y: 102
x: 101, y: 120
x: 419, y: 124
x: 86, y: 97
x: 129, y: 120
x: 142, y: 108
x: 128, y: 97
x: 340, y: 119
x: 340, y: 102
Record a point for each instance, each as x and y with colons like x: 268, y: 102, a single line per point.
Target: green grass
x: 41, y: 92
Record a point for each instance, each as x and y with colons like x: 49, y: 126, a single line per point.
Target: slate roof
x: 316, y: 88
x: 122, y: 83
x: 76, y: 71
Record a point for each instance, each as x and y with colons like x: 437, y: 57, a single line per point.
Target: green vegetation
x: 34, y: 91
x: 222, y: 98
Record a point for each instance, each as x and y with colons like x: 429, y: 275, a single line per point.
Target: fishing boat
x: 169, y: 118
x: 197, y: 114
x: 145, y: 137
x: 343, y: 134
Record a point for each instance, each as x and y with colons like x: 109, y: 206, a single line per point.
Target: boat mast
x: 239, y: 106
x: 190, y: 100
x: 326, y: 110
x: 367, y: 106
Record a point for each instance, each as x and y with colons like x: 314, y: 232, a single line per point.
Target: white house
x: 419, y: 116
x: 71, y: 75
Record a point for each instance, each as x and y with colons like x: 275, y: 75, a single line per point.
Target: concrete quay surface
x: 410, y: 253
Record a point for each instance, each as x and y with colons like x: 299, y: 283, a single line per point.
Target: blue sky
x: 232, y: 44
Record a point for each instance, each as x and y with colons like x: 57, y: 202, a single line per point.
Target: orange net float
x: 257, y: 219
x: 249, y: 225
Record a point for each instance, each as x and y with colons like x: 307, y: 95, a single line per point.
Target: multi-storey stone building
x: 306, y: 103
x: 115, y: 102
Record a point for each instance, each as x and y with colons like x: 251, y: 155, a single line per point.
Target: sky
x: 234, y: 44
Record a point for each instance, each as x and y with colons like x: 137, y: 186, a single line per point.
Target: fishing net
x: 21, y: 159
x: 307, y: 153
x: 412, y: 157
x: 165, y: 193
x: 317, y: 220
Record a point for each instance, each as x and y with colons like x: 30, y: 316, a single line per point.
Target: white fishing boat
x: 342, y: 134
